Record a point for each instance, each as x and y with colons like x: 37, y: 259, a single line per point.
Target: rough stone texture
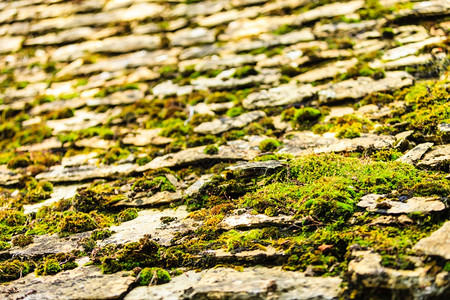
x: 437, y: 244
x: 153, y: 200
x: 327, y: 71
x: 416, y: 153
x: 8, y: 177
x: 366, y: 270
x: 363, y: 86
x: 247, y: 220
x: 251, y: 283
x: 437, y: 157
x: 81, y: 283
x: 256, y: 167
x: 224, y: 124
x: 10, y: 44
x: 377, y: 203
x: 193, y: 156
x: 410, y: 48
x: 149, y: 222
x: 62, y: 173
x: 278, y: 96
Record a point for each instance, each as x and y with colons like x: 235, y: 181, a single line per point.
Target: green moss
x: 115, y: 154
x: 48, y: 267
x: 77, y: 222
x: 98, y: 196
x: 144, y: 253
x: 269, y: 145
x: 60, y: 114
x: 4, y: 245
x: 348, y: 126
x: 211, y: 149
x: 21, y: 161
x: 14, y: 269
x: 386, y: 155
x: 373, y: 10
x: 22, y: 240
x: 244, y: 71
x: 283, y: 29
x: 153, y: 276
x: 127, y: 214
x: 156, y: 184
x: 234, y: 111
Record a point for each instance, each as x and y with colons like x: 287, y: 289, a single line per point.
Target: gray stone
x: 153, y: 200
x: 84, y: 282
x: 227, y: 16
x: 168, y: 88
x: 339, y: 111
x: 410, y: 49
x: 437, y: 244
x: 328, y: 71
x: 67, y: 36
x: 118, y: 98
x: 366, y: 270
x: 228, y: 61
x: 377, y: 203
x: 59, y: 192
x: 81, y: 120
x: 136, y: 12
x: 95, y: 142
x: 224, y: 124
x: 197, y: 186
x: 10, y: 44
x: 49, y: 244
x: 61, y: 173
x: 425, y: 9
x: 363, y: 86
x: 9, y: 177
x: 438, y: 157
x: 194, y: 156
x: 47, y: 144
x: 188, y: 36
x: 256, y: 166
x: 121, y: 44
x: 198, y: 9
x: 325, y: 30
x: 247, y: 220
x: 328, y: 11
x: 251, y: 283
x: 279, y: 96
x: 415, y: 154
x: 143, y: 137
x: 224, y: 81
x: 150, y: 221
x: 444, y: 127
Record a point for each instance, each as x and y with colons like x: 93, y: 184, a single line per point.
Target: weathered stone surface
x: 193, y: 156
x: 71, y: 35
x: 224, y: 81
x: 81, y: 120
x: 10, y: 44
x: 410, y: 49
x: 196, y: 187
x: 224, y: 124
x: 278, y: 96
x: 327, y: 71
x: 444, y: 127
x: 50, y: 244
x: 143, y: 137
x: 366, y: 270
x: 113, y: 44
x: 329, y: 10
x: 377, y: 203
x: 79, y: 173
x: 426, y: 9
x: 339, y: 111
x: 256, y: 166
x: 439, y: 157
x: 150, y: 221
x: 415, y: 154
x: 118, y: 98
x: 8, y: 177
x: 189, y: 37
x: 247, y: 220
x: 251, y: 283
x: 153, y: 200
x: 59, y: 192
x: 363, y: 86
x: 227, y: 16
x: 85, y: 282
x: 138, y: 11
x: 437, y: 244
x: 325, y: 30
x: 95, y: 142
